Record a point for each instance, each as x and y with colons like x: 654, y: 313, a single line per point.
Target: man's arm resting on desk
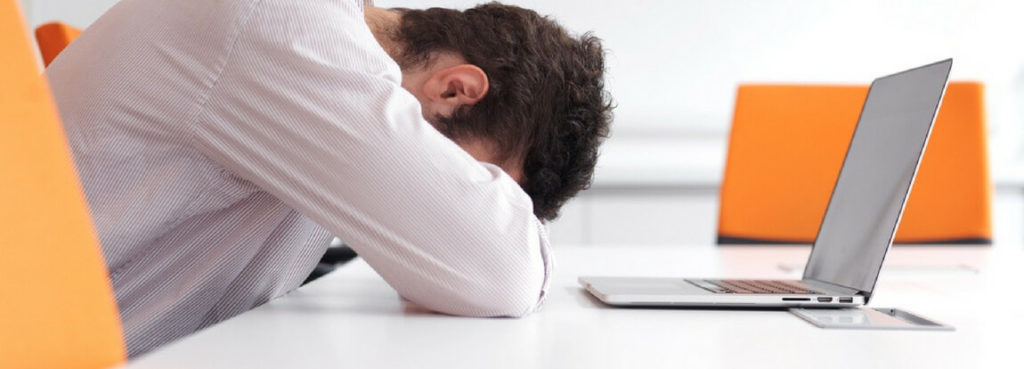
x: 320, y: 120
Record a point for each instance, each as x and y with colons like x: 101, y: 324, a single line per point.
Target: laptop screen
x: 875, y: 180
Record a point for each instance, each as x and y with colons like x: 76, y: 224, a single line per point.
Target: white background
x: 673, y: 67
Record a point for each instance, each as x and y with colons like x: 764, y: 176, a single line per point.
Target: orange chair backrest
x: 57, y: 309
x: 53, y: 38
x: 788, y: 143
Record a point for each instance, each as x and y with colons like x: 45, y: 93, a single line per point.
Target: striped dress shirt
x: 221, y: 142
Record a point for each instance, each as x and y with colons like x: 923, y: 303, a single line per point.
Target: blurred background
x: 673, y: 69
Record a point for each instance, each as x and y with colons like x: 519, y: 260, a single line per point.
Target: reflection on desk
x: 351, y: 318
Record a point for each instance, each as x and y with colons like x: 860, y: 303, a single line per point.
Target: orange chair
x: 787, y: 146
x: 57, y: 309
x: 53, y: 38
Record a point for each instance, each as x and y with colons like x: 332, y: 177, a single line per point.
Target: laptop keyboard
x: 753, y: 286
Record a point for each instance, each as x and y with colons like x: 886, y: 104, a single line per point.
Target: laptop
x: 859, y: 224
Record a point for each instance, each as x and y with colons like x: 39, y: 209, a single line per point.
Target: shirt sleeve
x: 310, y: 108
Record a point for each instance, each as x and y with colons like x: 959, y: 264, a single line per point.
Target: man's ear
x: 450, y: 88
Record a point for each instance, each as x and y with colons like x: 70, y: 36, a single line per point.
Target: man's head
x: 513, y: 88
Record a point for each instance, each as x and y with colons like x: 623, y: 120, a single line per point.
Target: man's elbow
x: 507, y: 296
x: 517, y: 301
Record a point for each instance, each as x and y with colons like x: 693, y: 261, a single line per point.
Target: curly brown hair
x: 546, y: 104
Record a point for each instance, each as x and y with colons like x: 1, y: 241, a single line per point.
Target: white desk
x: 352, y: 319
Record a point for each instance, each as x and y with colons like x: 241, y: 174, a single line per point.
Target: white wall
x: 673, y: 65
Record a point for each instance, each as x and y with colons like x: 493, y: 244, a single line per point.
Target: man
x: 220, y: 143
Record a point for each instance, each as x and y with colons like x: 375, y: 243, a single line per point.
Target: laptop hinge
x: 840, y: 288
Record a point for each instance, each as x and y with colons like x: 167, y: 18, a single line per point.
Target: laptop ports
x: 824, y: 299
x: 846, y: 300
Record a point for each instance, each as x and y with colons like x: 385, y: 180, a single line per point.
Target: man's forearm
x: 330, y: 132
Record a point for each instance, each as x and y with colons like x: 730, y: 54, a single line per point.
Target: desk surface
x: 351, y: 318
